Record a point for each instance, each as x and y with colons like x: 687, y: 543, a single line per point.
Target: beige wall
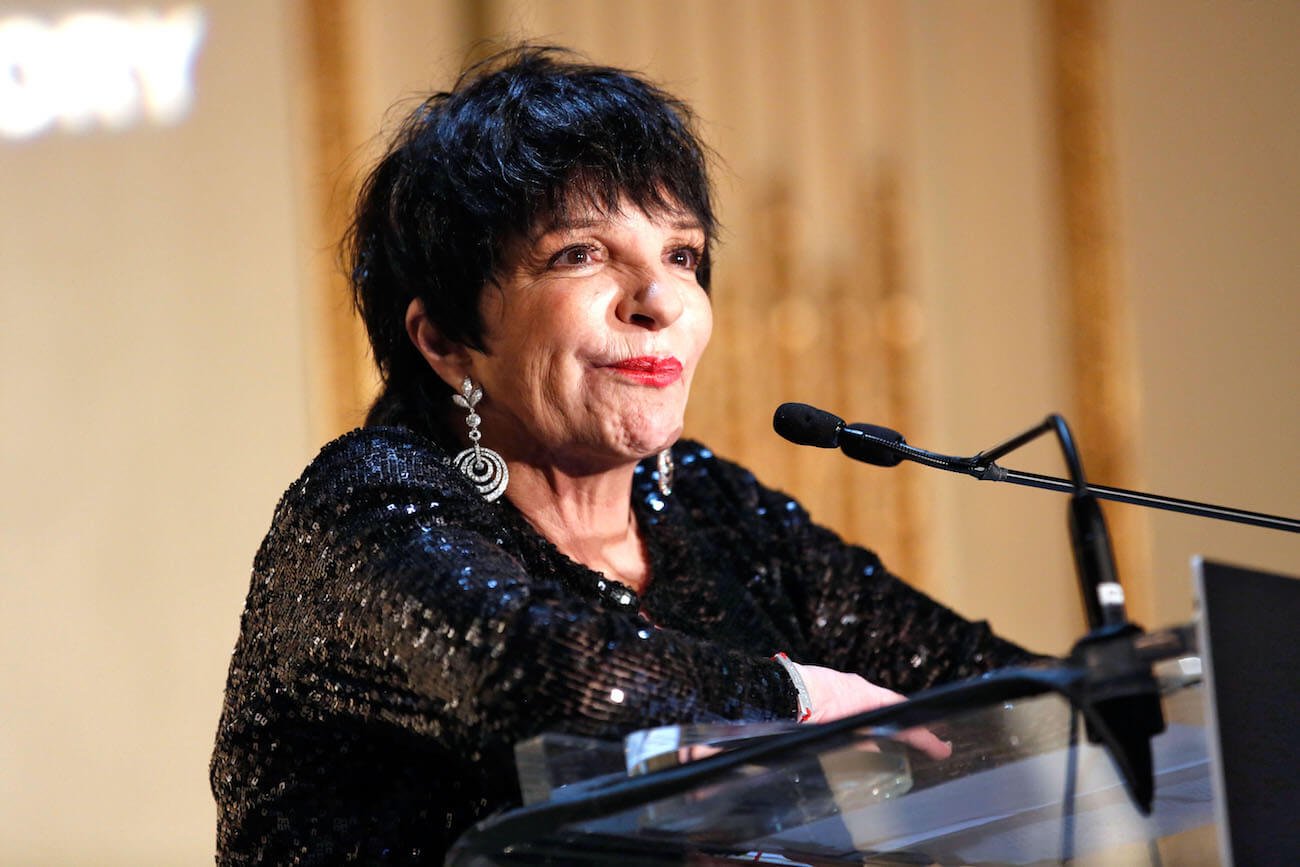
x: 1207, y: 115
x: 893, y: 251
x: 152, y: 373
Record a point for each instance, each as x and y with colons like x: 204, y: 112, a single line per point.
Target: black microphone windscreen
x: 868, y: 451
x: 807, y: 426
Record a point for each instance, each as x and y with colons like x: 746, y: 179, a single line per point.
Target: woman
x: 518, y: 542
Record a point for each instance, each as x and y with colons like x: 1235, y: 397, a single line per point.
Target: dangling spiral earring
x: 483, y: 467
x: 666, y: 470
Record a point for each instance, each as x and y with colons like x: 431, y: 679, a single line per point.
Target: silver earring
x: 483, y: 467
x: 666, y: 469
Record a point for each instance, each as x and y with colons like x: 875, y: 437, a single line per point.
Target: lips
x: 648, y: 370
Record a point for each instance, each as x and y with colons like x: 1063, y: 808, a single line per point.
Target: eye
x: 686, y: 257
x: 575, y: 256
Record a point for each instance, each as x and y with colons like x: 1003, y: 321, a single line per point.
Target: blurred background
x: 948, y: 218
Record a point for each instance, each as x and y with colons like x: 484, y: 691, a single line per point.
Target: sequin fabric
x: 401, y: 634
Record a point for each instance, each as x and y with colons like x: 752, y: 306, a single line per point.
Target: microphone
x: 806, y: 425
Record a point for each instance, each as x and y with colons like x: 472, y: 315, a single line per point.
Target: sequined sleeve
x: 512, y: 656
x: 401, y: 635
x: 852, y: 613
x: 393, y: 580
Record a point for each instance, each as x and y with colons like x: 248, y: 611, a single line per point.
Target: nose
x: 652, y: 301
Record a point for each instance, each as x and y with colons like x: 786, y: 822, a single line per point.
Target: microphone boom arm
x: 983, y: 467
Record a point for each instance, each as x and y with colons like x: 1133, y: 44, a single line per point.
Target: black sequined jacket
x: 401, y: 634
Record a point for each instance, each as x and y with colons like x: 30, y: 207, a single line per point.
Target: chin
x: 647, y: 440
x: 665, y: 440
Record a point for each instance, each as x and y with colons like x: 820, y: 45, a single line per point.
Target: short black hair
x: 513, y: 143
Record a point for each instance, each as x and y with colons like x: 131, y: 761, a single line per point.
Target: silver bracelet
x: 805, y: 707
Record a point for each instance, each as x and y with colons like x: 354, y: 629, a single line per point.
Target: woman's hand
x: 837, y: 694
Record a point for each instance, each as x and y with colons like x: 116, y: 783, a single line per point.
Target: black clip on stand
x: 1117, y: 692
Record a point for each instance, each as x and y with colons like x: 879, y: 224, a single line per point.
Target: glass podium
x: 1024, y: 785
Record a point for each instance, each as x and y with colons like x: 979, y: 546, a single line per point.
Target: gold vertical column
x: 1101, y: 353
x: 338, y: 359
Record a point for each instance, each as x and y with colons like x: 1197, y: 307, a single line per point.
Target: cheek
x: 552, y: 353
x: 703, y: 328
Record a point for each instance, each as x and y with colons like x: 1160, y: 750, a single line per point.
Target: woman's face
x: 592, y: 337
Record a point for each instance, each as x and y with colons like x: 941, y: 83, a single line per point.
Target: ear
x: 450, y: 360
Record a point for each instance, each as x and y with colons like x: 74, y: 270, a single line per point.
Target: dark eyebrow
x: 685, y: 223
x: 561, y: 224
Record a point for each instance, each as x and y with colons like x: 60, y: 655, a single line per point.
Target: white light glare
x: 97, y: 68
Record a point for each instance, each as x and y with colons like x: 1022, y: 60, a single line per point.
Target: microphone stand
x: 1117, y: 686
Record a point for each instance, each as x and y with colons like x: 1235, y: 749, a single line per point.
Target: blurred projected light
x: 97, y: 69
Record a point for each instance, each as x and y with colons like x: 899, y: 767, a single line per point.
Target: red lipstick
x: 648, y: 370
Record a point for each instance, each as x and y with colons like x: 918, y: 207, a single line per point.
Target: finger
x: 926, y: 741
x: 868, y: 746
x: 695, y: 752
